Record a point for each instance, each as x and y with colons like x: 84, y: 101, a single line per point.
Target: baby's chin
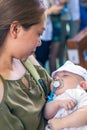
x: 59, y: 92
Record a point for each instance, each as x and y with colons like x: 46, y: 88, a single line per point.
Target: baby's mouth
x: 58, y: 83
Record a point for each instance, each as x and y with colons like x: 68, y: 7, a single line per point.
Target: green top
x: 21, y: 107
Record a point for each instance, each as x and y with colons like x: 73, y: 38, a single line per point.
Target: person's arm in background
x: 54, y: 9
x: 63, y: 1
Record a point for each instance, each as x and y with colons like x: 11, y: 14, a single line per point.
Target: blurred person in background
x: 56, y: 35
x: 42, y: 52
x: 72, y: 19
x: 83, y: 14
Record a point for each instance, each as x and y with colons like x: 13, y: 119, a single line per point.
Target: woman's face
x: 28, y: 39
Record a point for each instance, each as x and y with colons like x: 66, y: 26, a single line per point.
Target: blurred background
x: 65, y: 34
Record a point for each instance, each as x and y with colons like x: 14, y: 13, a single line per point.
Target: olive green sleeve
x: 8, y: 121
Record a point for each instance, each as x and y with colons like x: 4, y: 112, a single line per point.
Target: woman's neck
x: 5, y: 63
x: 12, y: 69
x: 5, y: 57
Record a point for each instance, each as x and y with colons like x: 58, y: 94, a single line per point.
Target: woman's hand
x: 55, y: 123
x: 75, y: 119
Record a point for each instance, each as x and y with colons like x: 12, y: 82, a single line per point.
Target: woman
x: 22, y: 86
x: 21, y: 97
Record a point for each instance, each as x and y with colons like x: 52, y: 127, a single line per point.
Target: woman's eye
x: 40, y: 33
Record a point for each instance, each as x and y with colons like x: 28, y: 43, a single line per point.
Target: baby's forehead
x: 61, y: 73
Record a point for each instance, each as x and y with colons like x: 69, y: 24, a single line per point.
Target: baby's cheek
x: 55, y: 76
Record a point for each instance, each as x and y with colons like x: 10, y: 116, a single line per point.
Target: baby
x: 69, y: 96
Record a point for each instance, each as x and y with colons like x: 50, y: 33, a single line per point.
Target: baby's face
x: 70, y: 81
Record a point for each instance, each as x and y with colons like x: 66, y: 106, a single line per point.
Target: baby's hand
x: 68, y: 104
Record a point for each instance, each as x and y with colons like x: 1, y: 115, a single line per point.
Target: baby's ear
x: 83, y: 85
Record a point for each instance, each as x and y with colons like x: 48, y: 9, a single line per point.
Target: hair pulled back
x: 27, y: 12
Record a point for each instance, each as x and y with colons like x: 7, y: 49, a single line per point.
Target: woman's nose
x: 39, y: 42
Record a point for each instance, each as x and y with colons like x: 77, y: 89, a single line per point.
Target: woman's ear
x: 14, y: 29
x: 83, y: 85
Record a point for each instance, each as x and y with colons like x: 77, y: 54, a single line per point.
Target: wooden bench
x: 77, y: 48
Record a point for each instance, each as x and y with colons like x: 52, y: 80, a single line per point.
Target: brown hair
x: 27, y: 12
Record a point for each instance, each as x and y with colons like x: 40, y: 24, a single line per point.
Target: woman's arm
x: 76, y: 119
x: 8, y: 121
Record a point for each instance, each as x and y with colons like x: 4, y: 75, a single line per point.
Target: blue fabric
x: 83, y: 13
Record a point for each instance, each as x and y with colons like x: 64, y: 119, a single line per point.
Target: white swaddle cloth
x: 77, y: 94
